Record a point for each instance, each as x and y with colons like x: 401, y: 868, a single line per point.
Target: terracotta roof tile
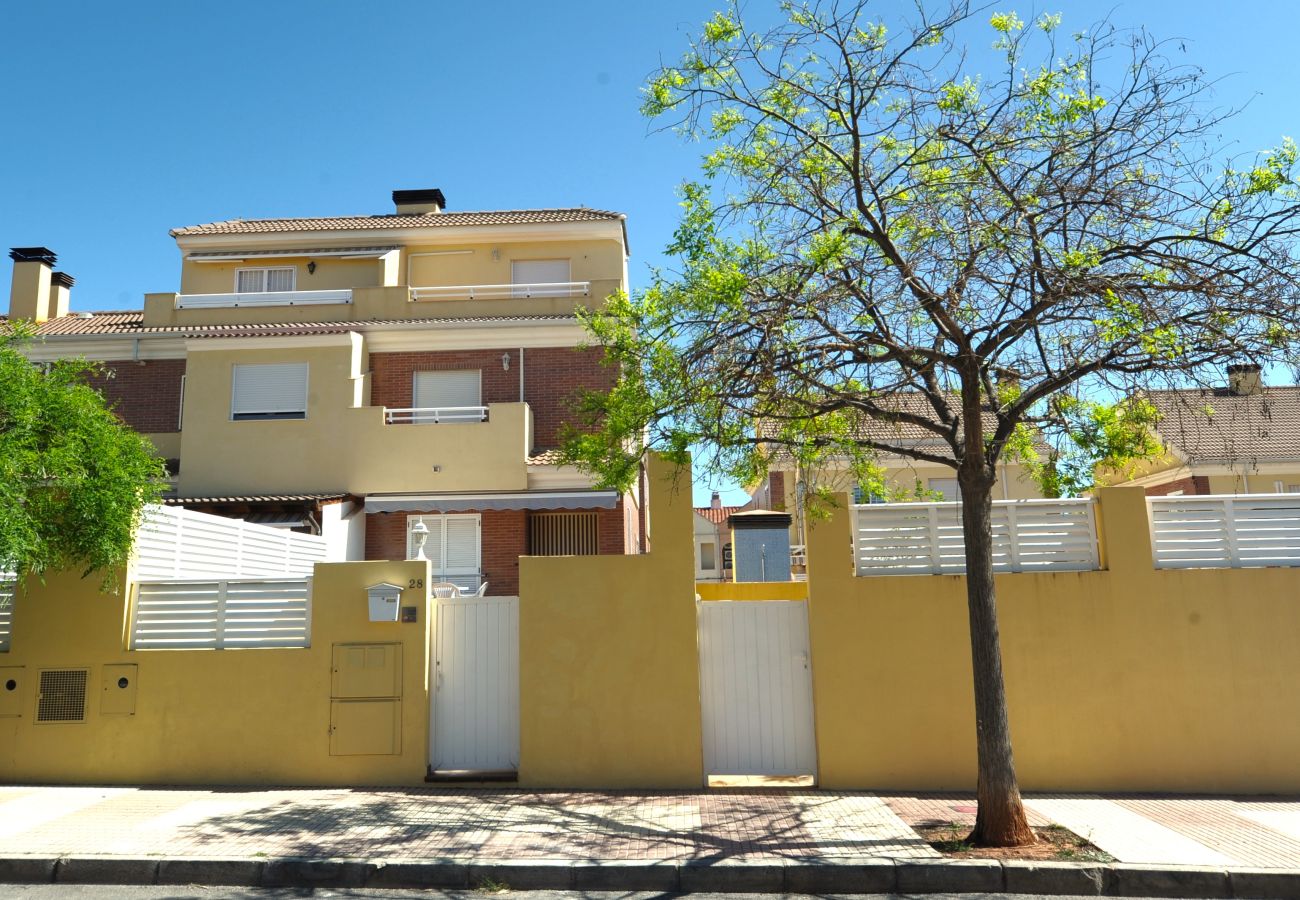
x: 1216, y: 426
x: 549, y: 457
x: 718, y: 515
x: 429, y: 220
x: 131, y: 324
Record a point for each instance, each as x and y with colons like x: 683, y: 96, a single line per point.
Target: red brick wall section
x: 505, y: 538
x: 147, y: 397
x: 392, y: 378
x: 1195, y: 484
x: 553, y: 377
x: 776, y: 485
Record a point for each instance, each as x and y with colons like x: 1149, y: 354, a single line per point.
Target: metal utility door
x: 474, y: 723
x: 756, y: 687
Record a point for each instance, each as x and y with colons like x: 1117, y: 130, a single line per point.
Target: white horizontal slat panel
x: 1228, y: 531
x: 7, y: 590
x: 222, y: 614
x: 926, y: 538
x: 178, y: 544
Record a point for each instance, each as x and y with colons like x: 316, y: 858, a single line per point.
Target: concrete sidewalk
x: 721, y: 840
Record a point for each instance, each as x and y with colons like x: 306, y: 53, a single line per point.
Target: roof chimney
x: 60, y: 293
x: 29, y: 292
x: 716, y: 502
x: 1244, y: 379
x: 419, y: 203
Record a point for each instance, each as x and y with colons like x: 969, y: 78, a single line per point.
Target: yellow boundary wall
x: 609, y: 688
x: 209, y: 716
x: 1131, y: 678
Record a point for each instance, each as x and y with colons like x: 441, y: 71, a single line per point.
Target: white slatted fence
x: 204, y: 615
x: 7, y: 590
x: 1225, y: 531
x: 177, y: 544
x: 926, y: 538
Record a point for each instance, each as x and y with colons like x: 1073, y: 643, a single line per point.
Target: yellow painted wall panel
x: 608, y: 666
x: 13, y: 690
x: 258, y: 716
x: 1130, y: 678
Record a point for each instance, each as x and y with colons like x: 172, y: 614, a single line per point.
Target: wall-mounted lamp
x: 311, y: 267
x: 505, y: 362
x: 419, y: 534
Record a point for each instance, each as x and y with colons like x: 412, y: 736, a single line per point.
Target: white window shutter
x: 270, y: 389
x: 443, y: 390
x: 462, y: 553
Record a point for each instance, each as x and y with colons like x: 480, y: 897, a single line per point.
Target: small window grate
x: 63, y: 696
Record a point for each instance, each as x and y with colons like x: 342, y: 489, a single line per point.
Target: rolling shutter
x: 270, y: 391
x: 460, y: 389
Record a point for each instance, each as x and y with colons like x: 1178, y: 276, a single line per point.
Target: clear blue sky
x: 123, y: 120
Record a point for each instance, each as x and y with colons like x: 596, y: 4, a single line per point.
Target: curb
x: 873, y: 875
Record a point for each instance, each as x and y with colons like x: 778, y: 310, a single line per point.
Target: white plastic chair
x: 445, y: 590
x: 482, y: 590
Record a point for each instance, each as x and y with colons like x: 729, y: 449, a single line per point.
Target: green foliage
x: 73, y: 478
x: 1100, y: 439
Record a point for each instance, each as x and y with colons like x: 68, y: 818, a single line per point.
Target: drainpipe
x: 521, y: 374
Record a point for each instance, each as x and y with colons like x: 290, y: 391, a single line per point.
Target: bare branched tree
x: 888, y: 243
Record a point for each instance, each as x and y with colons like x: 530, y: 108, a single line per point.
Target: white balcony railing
x: 262, y: 298
x: 442, y: 415
x: 502, y: 291
x: 1225, y: 532
x: 926, y: 538
x: 7, y: 589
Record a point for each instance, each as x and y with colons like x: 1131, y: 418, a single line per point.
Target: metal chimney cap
x: 33, y: 254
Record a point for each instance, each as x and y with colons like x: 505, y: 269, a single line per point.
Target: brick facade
x: 147, y: 397
x: 504, y: 538
x: 553, y: 376
x: 1194, y: 484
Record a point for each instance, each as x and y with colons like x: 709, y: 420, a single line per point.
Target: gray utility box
x: 760, y: 541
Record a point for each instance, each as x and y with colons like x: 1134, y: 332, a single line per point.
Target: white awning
x: 433, y: 503
x: 240, y: 255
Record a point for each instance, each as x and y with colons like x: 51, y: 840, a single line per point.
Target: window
x: 861, y: 496
x: 270, y: 391
x: 946, y: 488
x: 708, y: 556
x: 259, y: 281
x: 453, y: 547
x: 563, y: 534
x: 452, y: 396
x: 540, y: 271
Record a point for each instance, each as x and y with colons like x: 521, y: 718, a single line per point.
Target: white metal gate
x: 474, y: 723
x: 756, y: 687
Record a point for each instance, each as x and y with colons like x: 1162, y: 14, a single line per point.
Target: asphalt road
x: 201, y: 892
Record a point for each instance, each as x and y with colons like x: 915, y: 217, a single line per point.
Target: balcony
x: 502, y: 291
x: 436, y: 415
x: 262, y: 298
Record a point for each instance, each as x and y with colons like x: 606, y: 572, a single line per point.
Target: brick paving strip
x: 799, y: 841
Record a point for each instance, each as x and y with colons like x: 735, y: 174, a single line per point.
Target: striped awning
x: 434, y: 503
x: 238, y: 255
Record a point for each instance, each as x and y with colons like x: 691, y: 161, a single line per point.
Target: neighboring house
x: 1242, y: 438
x: 351, y: 376
x: 713, y: 540
x: 906, y: 478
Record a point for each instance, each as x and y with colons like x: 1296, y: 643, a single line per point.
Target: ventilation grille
x: 63, y: 696
x: 563, y: 534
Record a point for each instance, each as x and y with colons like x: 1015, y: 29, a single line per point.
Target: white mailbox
x: 385, y: 601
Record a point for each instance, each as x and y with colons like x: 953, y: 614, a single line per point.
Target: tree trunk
x: 1000, y: 820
